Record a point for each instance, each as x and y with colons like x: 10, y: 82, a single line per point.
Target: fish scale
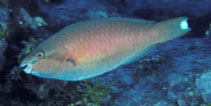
x: 93, y: 47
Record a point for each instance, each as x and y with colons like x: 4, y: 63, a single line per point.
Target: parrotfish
x: 93, y: 47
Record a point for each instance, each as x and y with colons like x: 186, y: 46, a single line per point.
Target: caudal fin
x: 171, y: 29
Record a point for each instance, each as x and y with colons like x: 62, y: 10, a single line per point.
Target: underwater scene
x: 105, y: 53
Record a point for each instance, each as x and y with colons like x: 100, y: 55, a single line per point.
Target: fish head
x: 45, y: 61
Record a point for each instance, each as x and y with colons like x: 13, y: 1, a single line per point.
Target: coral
x: 4, y: 3
x: 208, y: 32
x: 180, y: 75
x: 40, y: 22
x: 3, y: 33
x: 46, y: 1
x: 4, y: 22
x: 25, y: 20
x: 3, y: 46
x: 92, y: 93
x: 29, y: 46
x: 209, y: 104
x: 142, y: 68
x: 203, y: 85
x: 3, y: 30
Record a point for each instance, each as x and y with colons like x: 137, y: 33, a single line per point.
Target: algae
x: 91, y: 94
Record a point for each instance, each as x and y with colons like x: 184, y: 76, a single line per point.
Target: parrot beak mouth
x: 27, y: 68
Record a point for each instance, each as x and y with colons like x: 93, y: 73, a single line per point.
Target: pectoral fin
x: 70, y: 60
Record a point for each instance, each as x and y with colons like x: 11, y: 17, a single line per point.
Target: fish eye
x: 40, y: 54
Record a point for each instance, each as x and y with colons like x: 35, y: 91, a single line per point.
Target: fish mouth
x: 27, y: 68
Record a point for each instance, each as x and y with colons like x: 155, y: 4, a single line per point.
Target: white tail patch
x: 184, y: 25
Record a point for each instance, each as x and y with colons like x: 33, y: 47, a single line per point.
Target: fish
x: 93, y: 47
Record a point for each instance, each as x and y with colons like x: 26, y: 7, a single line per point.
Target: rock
x: 164, y: 8
x: 3, y: 14
x: 3, y: 34
x: 181, y: 102
x: 203, y: 85
x: 163, y: 103
x: 166, y: 77
x: 208, y: 32
x: 26, y: 20
x: 70, y: 11
x: 3, y: 46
